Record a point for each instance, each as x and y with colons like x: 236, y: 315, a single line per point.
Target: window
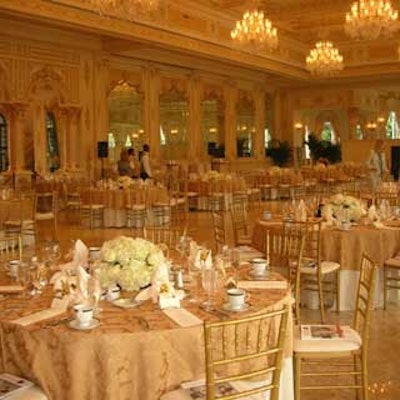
x: 3, y: 144
x: 328, y: 134
x: 359, y: 132
x: 111, y: 140
x: 52, y: 143
x: 267, y: 138
x: 306, y: 147
x: 392, y: 126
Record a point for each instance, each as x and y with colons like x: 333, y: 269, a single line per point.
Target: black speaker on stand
x: 102, y: 153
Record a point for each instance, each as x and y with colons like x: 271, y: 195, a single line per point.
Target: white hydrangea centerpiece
x: 345, y: 208
x: 124, y: 182
x: 129, y: 262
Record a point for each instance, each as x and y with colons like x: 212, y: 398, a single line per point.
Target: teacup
x: 259, y: 265
x: 113, y: 293
x: 84, y: 314
x: 13, y: 268
x: 94, y: 253
x: 236, y: 298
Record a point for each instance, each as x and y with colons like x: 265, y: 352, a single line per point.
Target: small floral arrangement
x: 129, y: 262
x: 124, y: 182
x: 344, y: 208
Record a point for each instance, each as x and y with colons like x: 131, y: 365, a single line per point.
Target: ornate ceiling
x: 200, y: 28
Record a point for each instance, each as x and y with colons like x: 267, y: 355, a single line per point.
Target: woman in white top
x: 145, y: 169
x: 377, y: 165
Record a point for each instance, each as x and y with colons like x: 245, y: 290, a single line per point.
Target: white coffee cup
x: 346, y: 225
x: 84, y: 314
x: 113, y: 293
x: 259, y: 265
x: 236, y: 298
x: 267, y: 215
x: 13, y: 268
x: 94, y: 253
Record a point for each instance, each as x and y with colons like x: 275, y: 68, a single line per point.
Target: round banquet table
x: 346, y: 248
x: 135, y: 353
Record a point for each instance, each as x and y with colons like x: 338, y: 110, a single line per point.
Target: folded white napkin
x: 372, y: 214
x: 327, y: 214
x: 39, y: 316
x: 263, y: 284
x: 182, y: 317
x: 144, y: 294
x: 301, y: 212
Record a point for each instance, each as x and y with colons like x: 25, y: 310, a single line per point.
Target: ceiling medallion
x: 369, y: 19
x: 324, y: 60
x: 125, y: 9
x: 255, y: 32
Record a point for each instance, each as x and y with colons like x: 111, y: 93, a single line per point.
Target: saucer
x: 127, y: 303
x: 244, y: 307
x: 255, y: 275
x: 74, y: 324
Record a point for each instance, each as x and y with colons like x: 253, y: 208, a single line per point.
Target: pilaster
x: 230, y: 93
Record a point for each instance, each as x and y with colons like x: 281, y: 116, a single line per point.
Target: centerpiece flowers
x: 129, y: 262
x: 344, y: 208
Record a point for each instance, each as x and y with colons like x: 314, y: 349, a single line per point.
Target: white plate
x: 227, y: 307
x: 74, y: 324
x: 127, y: 303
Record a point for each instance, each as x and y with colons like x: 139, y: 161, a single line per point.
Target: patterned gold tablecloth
x: 121, y: 359
x: 347, y: 247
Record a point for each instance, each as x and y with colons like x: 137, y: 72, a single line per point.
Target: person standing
x: 124, y: 168
x: 377, y: 165
x: 145, y: 169
x: 133, y: 163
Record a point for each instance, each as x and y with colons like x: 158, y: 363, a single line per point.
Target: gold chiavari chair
x: 91, y: 209
x: 313, y: 269
x: 11, y: 248
x: 284, y: 250
x: 240, y: 224
x: 220, y: 231
x: 136, y: 209
x: 246, y: 354
x: 46, y: 208
x: 322, y: 355
x: 391, y: 277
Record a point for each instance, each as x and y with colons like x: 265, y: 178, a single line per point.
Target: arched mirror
x: 213, y: 122
x: 53, y: 154
x: 174, y: 113
x: 245, y: 125
x: 125, y: 110
x: 4, y: 162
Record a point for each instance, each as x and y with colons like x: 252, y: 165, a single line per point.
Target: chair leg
x: 384, y: 286
x: 321, y: 298
x: 297, y: 374
x: 338, y: 291
x: 364, y: 378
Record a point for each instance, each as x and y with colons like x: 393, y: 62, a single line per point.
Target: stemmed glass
x: 235, y: 261
x: 24, y: 278
x: 209, y: 281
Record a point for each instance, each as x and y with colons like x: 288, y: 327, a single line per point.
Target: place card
x: 182, y: 317
x: 38, y: 316
x: 272, y: 284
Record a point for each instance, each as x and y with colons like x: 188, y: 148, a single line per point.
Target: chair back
x: 46, y: 203
x: 220, y: 232
x: 250, y: 347
x: 239, y: 221
x: 365, y: 298
x: 284, y: 250
x: 168, y: 236
x: 11, y: 248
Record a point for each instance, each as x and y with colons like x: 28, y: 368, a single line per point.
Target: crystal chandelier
x: 255, y: 31
x: 324, y: 59
x: 369, y: 19
x: 126, y: 9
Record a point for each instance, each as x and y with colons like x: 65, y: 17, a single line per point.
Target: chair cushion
x: 351, y: 342
x: 136, y: 207
x: 43, y: 216
x: 32, y: 393
x: 392, y: 262
x: 326, y: 268
x: 93, y: 206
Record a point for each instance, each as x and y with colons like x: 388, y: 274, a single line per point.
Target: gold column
x: 17, y: 139
x: 230, y: 93
x: 259, y: 102
x: 40, y: 138
x: 61, y: 115
x: 196, y: 148
x: 151, y: 85
x: 73, y: 151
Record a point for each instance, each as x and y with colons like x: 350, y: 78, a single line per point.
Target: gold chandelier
x: 255, y: 31
x: 126, y: 9
x: 369, y: 19
x: 324, y: 59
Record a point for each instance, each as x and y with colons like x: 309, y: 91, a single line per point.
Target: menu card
x: 182, y: 317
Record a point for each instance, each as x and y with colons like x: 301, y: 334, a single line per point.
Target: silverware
x: 214, y: 311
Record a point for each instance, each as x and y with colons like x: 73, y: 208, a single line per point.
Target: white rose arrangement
x: 344, y: 208
x: 129, y: 262
x: 124, y: 182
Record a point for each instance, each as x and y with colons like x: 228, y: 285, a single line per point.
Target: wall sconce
x: 371, y: 125
x: 381, y: 120
x: 298, y: 125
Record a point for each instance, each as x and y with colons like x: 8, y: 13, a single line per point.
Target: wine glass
x: 209, y: 281
x: 24, y: 278
x: 235, y: 261
x: 195, y: 274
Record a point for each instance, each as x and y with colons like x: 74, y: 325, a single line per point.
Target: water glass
x: 209, y: 281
